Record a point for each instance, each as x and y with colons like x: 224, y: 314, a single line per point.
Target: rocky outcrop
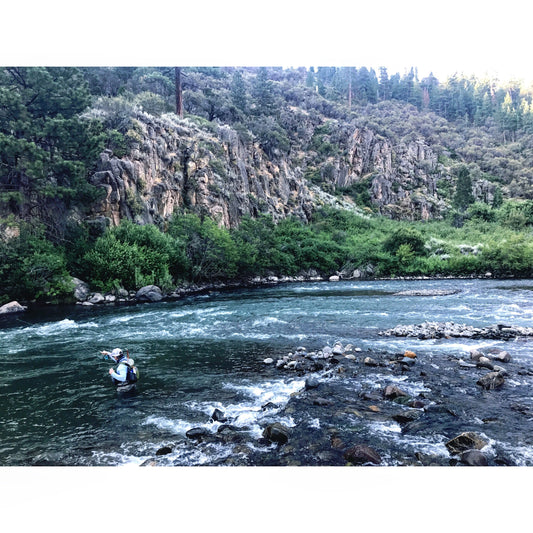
x: 175, y: 163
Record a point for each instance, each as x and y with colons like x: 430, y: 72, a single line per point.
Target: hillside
x: 83, y: 150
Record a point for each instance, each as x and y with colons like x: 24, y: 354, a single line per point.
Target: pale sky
x: 470, y: 36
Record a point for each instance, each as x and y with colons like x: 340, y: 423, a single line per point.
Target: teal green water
x: 58, y: 405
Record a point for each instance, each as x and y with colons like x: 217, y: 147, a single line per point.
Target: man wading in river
x: 126, y: 374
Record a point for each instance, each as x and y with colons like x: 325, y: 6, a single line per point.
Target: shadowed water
x: 59, y: 407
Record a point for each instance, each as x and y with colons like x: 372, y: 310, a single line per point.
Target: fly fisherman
x: 124, y: 362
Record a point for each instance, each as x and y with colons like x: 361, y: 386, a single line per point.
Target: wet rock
x: 406, y: 416
x: 475, y: 355
x: 350, y: 356
x: 165, y: 450
x: 337, y: 349
x: 197, y: 433
x: 473, y: 458
x: 428, y: 459
x: 149, y: 293
x: 218, y: 416
x: 371, y: 396
x: 416, y: 404
x: 374, y: 408
x: 495, y: 354
x: 407, y: 362
x: 96, y: 298
x: 392, y: 392
x: 491, y: 381
x: 484, y: 362
x: 465, y: 441
x: 322, y: 402
x: 268, y: 405
x: 368, y: 361
x: 277, y: 433
x: 268, y: 361
x: 336, y: 443
x: 410, y: 354
x: 361, y: 454
x: 12, y: 307
x: 311, y: 383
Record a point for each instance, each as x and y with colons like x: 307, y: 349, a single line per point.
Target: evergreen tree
x: 263, y: 92
x: 238, y: 91
x: 463, y: 192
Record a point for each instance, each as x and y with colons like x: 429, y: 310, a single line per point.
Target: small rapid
x: 203, y: 353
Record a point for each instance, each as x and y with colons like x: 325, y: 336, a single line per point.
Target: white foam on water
x: 55, y: 328
x: 314, y: 423
x: 385, y: 427
x: 267, y: 321
x: 177, y: 426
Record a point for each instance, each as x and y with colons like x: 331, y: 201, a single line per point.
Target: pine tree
x: 238, y: 91
x: 463, y: 191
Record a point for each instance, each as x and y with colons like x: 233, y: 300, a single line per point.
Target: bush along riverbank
x: 194, y: 251
x: 374, y: 407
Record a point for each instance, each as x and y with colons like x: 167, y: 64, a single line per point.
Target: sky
x: 464, y: 36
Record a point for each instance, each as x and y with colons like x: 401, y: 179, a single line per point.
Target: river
x: 205, y: 352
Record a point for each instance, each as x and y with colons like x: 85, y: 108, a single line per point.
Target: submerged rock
x: 361, y: 454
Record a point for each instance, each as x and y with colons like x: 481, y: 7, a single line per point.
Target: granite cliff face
x: 177, y: 163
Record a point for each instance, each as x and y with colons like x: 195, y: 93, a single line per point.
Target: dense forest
x: 55, y: 122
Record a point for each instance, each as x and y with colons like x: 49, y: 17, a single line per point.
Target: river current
x: 59, y: 407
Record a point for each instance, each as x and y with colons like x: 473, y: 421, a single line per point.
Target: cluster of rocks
x: 313, y: 361
x: 438, y: 330
x: 488, y: 359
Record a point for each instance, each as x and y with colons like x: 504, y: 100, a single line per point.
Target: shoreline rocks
x: 12, y: 307
x: 439, y: 330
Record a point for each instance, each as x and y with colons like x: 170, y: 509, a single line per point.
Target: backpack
x: 132, y: 374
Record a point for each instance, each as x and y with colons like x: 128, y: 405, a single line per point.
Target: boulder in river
x: 496, y: 354
x: 12, y: 307
x: 392, y: 391
x: 473, y: 458
x: 149, y: 293
x: 491, y: 381
x: 361, y: 454
x: 465, y: 441
x: 277, y: 433
x: 165, y: 450
x: 196, y: 433
x: 311, y: 383
x: 218, y: 416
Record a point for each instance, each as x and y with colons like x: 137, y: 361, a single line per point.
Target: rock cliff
x: 181, y: 163
x: 174, y: 163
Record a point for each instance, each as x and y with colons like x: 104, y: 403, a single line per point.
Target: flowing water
x: 59, y: 407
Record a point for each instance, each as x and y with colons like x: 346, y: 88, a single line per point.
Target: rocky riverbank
x: 378, y: 408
